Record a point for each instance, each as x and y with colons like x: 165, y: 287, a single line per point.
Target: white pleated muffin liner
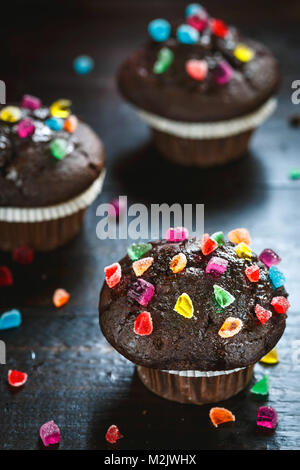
x: 210, y: 130
x: 199, y: 373
x: 58, y: 211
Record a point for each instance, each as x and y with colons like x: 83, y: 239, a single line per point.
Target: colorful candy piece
x: 113, y: 274
x: 262, y: 314
x: 178, y: 263
x: 159, y: 30
x: 141, y: 291
x: 223, y: 297
x: 17, y: 378
x: 58, y: 148
x: 276, y: 277
x: 196, y: 69
x: 26, y: 128
x: 252, y: 273
x: 71, y: 124
x: 136, y: 250
x: 23, y: 255
x: 198, y: 22
x: 218, y: 28
x: 207, y: 244
x: 143, y: 325
x: 261, y: 387
x: 267, y: 417
x: 83, y: 64
x: 231, y: 327
x: 223, y: 73
x: 60, y: 108
x: 270, y: 358
x: 60, y: 297
x: 193, y: 9
x: 243, y: 251
x: 280, y: 304
x: 216, y: 266
x: 269, y: 257
x: 177, y: 234
x: 31, y: 102
x: 220, y: 415
x: 10, y: 114
x: 6, y: 278
x: 186, y: 34
x: 219, y: 238
x: 184, y: 306
x: 118, y: 207
x: 141, y: 265
x: 239, y: 235
x: 10, y: 319
x: 54, y: 123
x: 113, y: 434
x: 294, y: 173
x: 164, y: 60
x: 50, y: 433
x: 243, y: 53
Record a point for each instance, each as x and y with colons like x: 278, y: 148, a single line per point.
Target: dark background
x: 75, y: 377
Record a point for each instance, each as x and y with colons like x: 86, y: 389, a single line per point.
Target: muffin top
x: 176, y: 308
x: 47, y: 156
x: 198, y: 70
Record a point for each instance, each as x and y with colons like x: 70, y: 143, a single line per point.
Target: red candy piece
x: 262, y: 314
x: 208, y: 245
x: 6, y: 278
x: 252, y: 273
x: 17, y: 378
x: 143, y: 325
x: 113, y: 434
x: 113, y: 274
x: 196, y: 22
x: 218, y: 28
x: 196, y: 69
x: 280, y: 304
x: 23, y: 255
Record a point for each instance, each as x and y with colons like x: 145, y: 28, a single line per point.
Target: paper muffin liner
x: 196, y: 387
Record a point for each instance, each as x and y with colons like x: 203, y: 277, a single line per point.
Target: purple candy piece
x: 50, y: 433
x: 267, y: 417
x: 216, y: 266
x: 223, y: 73
x: 141, y: 291
x: 31, y: 102
x: 269, y: 257
x: 177, y: 234
x: 25, y: 128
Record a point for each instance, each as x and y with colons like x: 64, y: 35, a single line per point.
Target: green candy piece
x: 261, y: 387
x: 164, y: 60
x: 223, y: 297
x: 58, y: 148
x: 219, y: 238
x: 294, y: 173
x: 136, y: 250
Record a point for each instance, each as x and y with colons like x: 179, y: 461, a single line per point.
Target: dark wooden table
x: 75, y: 377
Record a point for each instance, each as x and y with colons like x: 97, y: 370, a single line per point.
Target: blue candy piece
x: 83, y: 64
x: 11, y: 319
x: 159, y: 30
x: 55, y: 124
x: 187, y: 35
x: 276, y: 277
x: 192, y: 9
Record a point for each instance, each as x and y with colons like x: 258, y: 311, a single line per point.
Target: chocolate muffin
x: 201, y: 86
x: 51, y: 169
x: 194, y: 315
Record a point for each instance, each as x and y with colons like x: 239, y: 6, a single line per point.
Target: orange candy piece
x: 141, y: 265
x: 220, y: 415
x: 60, y: 297
x: 71, y: 123
x: 178, y: 263
x: 231, y: 327
x: 239, y: 235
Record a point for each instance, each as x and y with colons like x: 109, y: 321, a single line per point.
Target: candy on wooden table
x: 178, y: 263
x: 159, y: 30
x: 186, y: 34
x: 219, y: 238
x: 31, y: 102
x: 252, y: 272
x: 177, y: 234
x: 216, y: 266
x: 50, y: 433
x: 113, y: 274
x: 60, y: 297
x: 141, y: 265
x: 23, y: 255
x: 10, y: 114
x: 267, y: 417
x: 143, y: 325
x: 113, y: 434
x: 223, y: 73
x: 184, y: 306
x: 262, y: 314
x: 239, y: 235
x: 270, y: 358
x: 220, y: 415
x: 223, y: 297
x: 197, y: 69
x: 58, y: 148
x: 231, y: 327
x: 6, y: 278
x: 207, y: 244
x: 193, y: 9
x: 277, y: 277
x: 294, y: 173
x: 55, y: 123
x: 165, y: 58
x: 198, y: 22
x: 141, y: 291
x: 83, y: 64
x: 17, y: 378
x: 280, y: 304
x: 60, y: 108
x: 243, y: 53
x: 136, y: 250
x: 269, y: 257
x: 71, y: 123
x: 261, y: 387
x: 10, y: 319
x: 243, y: 251
x: 25, y: 128
x: 218, y: 28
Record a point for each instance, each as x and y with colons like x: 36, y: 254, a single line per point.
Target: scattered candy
x: 71, y: 124
x: 267, y: 417
x: 10, y: 114
x: 198, y: 22
x: 23, y: 255
x: 208, y: 245
x: 10, y: 319
x: 26, y: 128
x: 178, y: 263
x: 113, y: 434
x: 276, y: 277
x: 269, y: 257
x: 6, y: 278
x: 219, y: 238
x: 58, y: 148
x: 118, y: 207
x: 55, y: 124
x: 184, y: 306
x: 143, y: 324
x: 141, y: 291
x: 243, y: 251
x: 60, y: 297
x: 223, y: 297
x: 50, y: 433
x: 196, y: 69
x: 136, y: 250
x: 187, y: 35
x: 17, y: 378
x: 261, y: 387
x: 220, y: 415
x: 177, y: 234
x: 159, y: 30
x: 223, y: 73
x: 252, y: 273
x: 294, y: 173
x: 280, y: 304
x: 31, y: 102
x: 141, y: 265
x: 83, y: 64
x: 113, y: 274
x: 218, y: 28
x: 216, y: 266
x: 193, y: 9
x: 270, y: 358
x: 262, y: 314
x: 231, y: 327
x: 164, y: 60
x: 243, y: 53
x: 60, y: 108
x: 239, y: 235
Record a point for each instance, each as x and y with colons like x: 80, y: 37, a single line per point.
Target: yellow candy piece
x: 243, y: 53
x: 178, y: 263
x: 141, y: 265
x: 243, y: 251
x: 270, y: 358
x: 10, y: 114
x: 61, y: 108
x: 184, y: 306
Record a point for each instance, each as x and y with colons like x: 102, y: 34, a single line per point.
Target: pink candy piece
x: 267, y: 417
x: 141, y: 291
x: 223, y: 73
x: 50, y: 433
x: 113, y: 274
x: 197, y: 22
x: 177, y: 234
x: 216, y: 266
x: 31, y: 102
x: 269, y: 257
x: 25, y: 128
x: 196, y: 69
x: 118, y: 207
